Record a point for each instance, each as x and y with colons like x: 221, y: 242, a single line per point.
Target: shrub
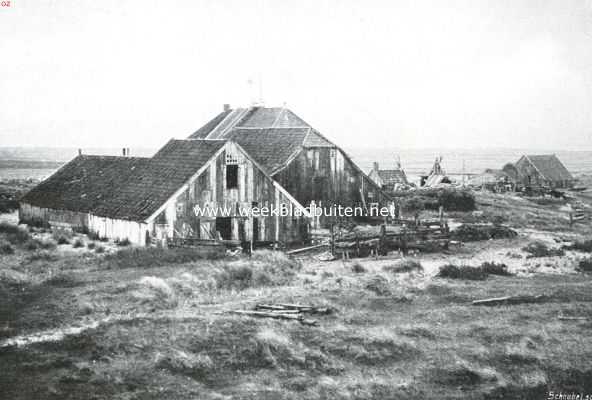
x: 585, y: 265
x: 42, y: 255
x: 147, y: 257
x: 546, y: 201
x: 62, y: 280
x: 6, y: 248
x: 8, y: 205
x: 235, y: 277
x: 540, y: 249
x: 93, y: 235
x: 32, y: 244
x: 467, y: 272
x: 403, y: 266
x: 451, y: 199
x: 78, y: 244
x: 181, y: 362
x: 99, y: 249
x: 452, y: 271
x: 412, y: 204
x: 123, y: 242
x: 358, y: 268
x: 379, y: 285
x: 583, y: 246
x: 492, y: 268
x: 14, y: 234
x: 456, y: 200
x: 83, y: 230
x: 472, y: 232
x: 90, y: 245
x: 47, y: 244
x: 63, y: 240
x: 155, y: 290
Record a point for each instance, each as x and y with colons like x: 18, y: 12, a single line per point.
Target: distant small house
x: 388, y: 179
x: 540, y: 171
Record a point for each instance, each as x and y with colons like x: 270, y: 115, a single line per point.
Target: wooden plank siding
x: 326, y: 175
x: 209, y: 190
x: 104, y: 227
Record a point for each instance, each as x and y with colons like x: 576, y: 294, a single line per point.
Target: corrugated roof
x: 123, y: 187
x: 550, y: 167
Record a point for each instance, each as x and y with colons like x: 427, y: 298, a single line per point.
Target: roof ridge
x: 282, y: 111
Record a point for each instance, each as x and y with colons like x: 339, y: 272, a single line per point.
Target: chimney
x: 79, y: 152
x: 375, y: 168
x: 123, y: 151
x: 226, y: 107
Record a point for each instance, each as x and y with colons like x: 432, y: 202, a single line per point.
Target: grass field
x: 128, y: 323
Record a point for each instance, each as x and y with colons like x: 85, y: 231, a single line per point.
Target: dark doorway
x: 224, y: 226
x: 231, y: 176
x: 256, y: 230
x: 241, y: 230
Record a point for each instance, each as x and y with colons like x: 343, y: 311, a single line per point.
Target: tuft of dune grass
x: 403, y: 266
x: 155, y: 292
x: 148, y: 257
x: 184, y: 362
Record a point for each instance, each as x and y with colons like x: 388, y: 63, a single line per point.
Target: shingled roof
x: 270, y: 147
x: 84, y: 183
x: 549, y: 166
x: 252, y: 117
x: 392, y: 176
x: 123, y: 187
x: 272, y: 136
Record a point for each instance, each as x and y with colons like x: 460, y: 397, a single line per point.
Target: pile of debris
x: 295, y: 312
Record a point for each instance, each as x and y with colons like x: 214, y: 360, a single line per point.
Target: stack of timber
x: 211, y: 244
x: 423, y: 237
x: 294, y: 312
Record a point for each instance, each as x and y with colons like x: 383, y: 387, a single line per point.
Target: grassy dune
x: 85, y: 319
x: 158, y: 329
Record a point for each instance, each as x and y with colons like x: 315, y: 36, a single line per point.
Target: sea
x: 39, y: 163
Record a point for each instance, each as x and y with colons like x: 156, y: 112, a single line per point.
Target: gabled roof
x: 272, y: 136
x: 392, y: 176
x: 252, y: 117
x: 549, y: 166
x: 123, y: 187
x: 273, y: 148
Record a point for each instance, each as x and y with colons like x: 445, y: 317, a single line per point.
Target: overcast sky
x: 403, y: 74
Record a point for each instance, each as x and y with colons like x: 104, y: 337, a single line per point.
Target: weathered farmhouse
x: 537, y: 171
x: 243, y: 158
x: 388, y: 179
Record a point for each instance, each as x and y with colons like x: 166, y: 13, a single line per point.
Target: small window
x: 231, y: 176
x: 231, y: 159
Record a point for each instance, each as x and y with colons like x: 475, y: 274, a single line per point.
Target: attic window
x: 231, y: 176
x: 231, y: 159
